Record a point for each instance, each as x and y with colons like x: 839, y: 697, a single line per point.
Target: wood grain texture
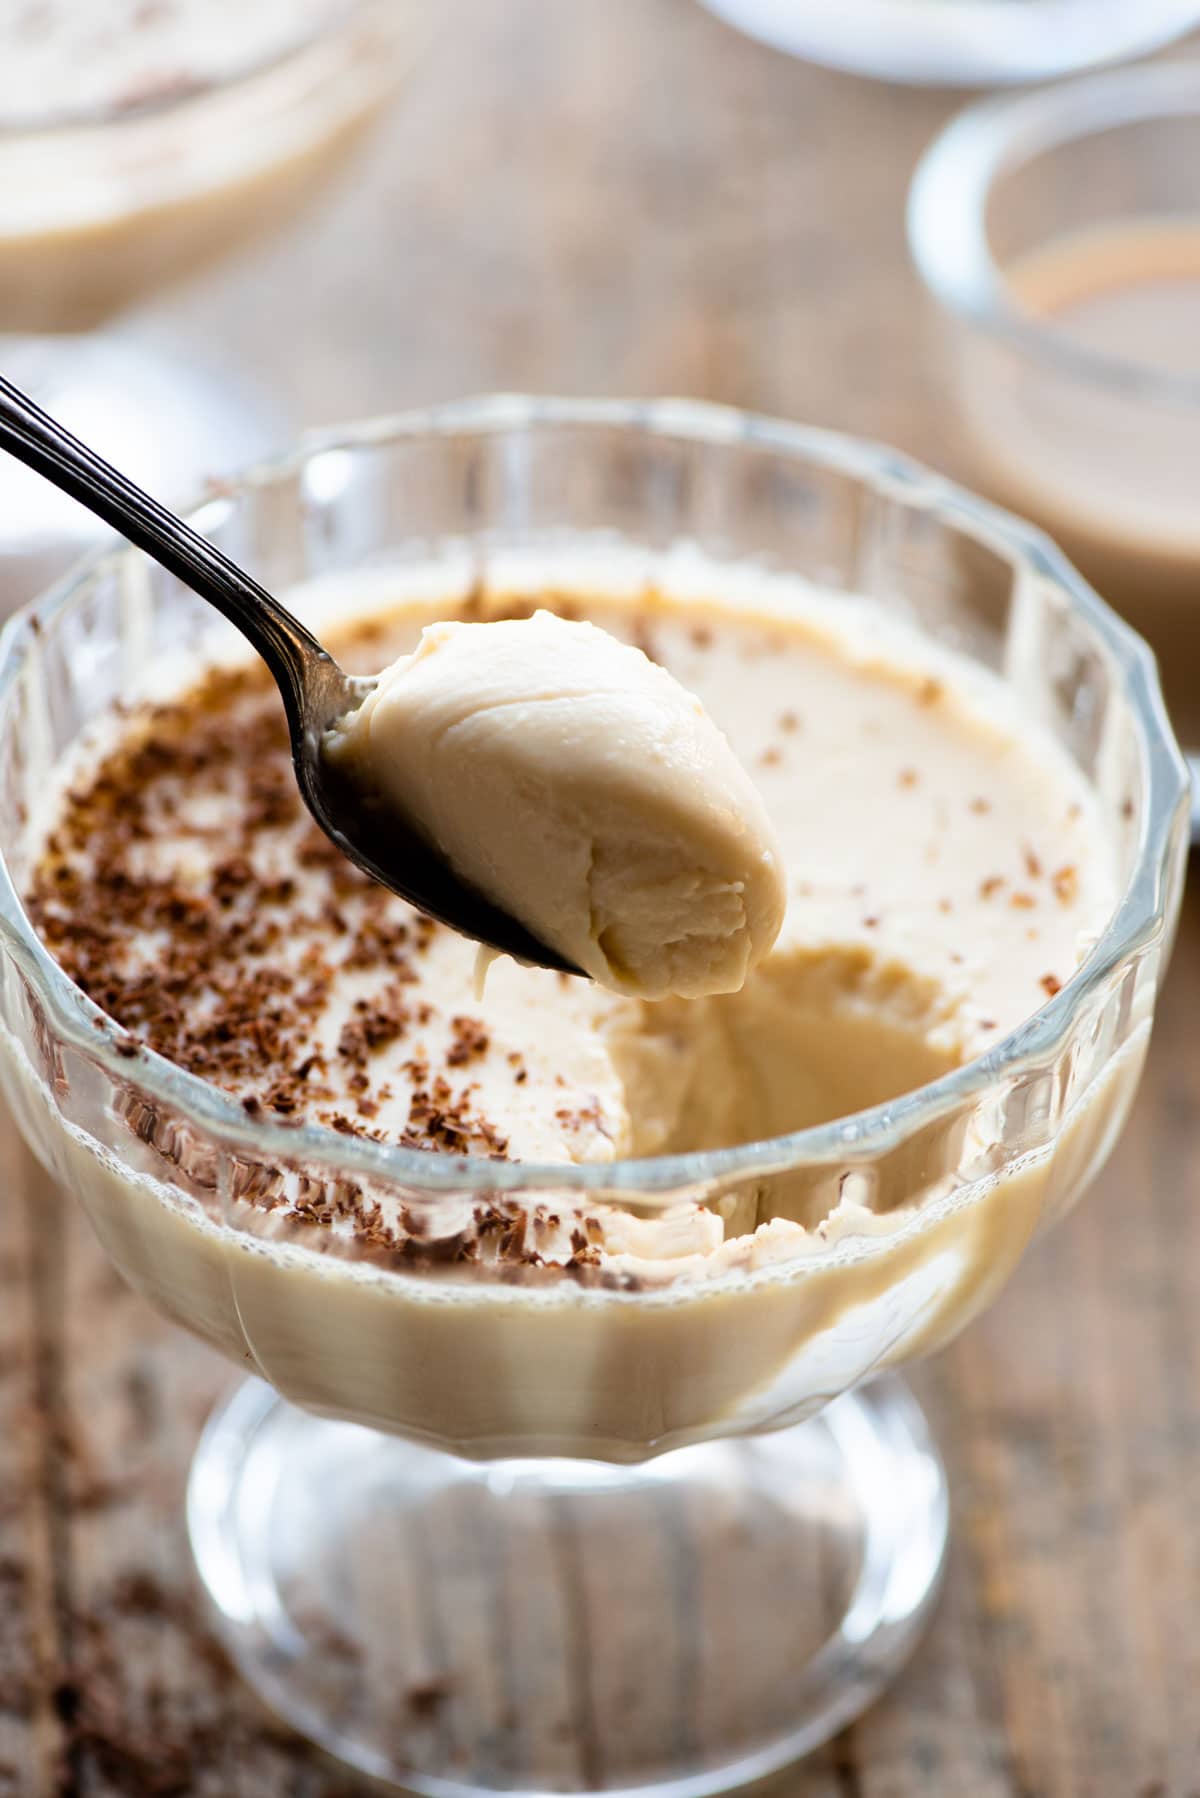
x: 618, y: 196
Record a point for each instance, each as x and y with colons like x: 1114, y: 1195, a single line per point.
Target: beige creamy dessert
x: 574, y: 783
x: 948, y: 869
x: 140, y: 137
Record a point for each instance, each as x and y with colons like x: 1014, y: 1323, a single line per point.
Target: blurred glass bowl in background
x: 961, y: 42
x: 1059, y: 234
x: 815, y: 1550
x: 114, y: 185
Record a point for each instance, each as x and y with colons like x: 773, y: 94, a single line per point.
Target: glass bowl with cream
x: 142, y: 142
x: 973, y: 43
x: 571, y: 1314
x: 1058, y: 232
x: 139, y: 141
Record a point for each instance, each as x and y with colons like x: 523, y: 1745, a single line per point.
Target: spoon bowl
x: 317, y: 693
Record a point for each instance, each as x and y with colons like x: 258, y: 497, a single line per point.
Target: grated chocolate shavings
x: 226, y: 963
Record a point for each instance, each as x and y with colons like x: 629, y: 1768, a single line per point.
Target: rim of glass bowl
x: 344, y: 15
x: 1139, y: 917
x: 948, y: 199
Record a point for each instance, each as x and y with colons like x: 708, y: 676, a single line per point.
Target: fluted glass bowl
x: 926, y: 1203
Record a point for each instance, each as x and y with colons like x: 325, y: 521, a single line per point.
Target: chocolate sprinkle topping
x: 246, y: 948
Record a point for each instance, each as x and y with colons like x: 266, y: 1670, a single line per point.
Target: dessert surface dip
x: 947, y: 869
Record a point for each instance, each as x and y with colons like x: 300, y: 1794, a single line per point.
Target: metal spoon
x: 316, y: 691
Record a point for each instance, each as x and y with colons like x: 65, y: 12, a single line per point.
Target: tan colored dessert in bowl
x: 948, y: 871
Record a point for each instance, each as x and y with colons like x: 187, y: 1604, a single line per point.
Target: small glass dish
x: 1058, y: 233
x: 112, y: 194
x: 961, y: 42
x: 100, y: 207
x: 478, y: 1532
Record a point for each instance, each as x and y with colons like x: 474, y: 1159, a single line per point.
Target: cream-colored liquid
x: 747, y: 1305
x: 1128, y: 292
x: 1112, y: 475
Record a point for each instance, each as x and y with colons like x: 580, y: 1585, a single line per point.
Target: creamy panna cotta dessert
x: 945, y: 868
x: 573, y: 782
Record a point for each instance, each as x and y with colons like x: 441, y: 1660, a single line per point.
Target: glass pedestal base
x: 687, y: 1625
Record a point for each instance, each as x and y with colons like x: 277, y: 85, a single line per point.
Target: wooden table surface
x: 621, y: 196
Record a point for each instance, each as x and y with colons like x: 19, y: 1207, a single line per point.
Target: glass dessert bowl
x: 959, y: 42
x: 139, y: 146
x: 504, y: 1523
x: 1057, y: 234
x: 126, y: 163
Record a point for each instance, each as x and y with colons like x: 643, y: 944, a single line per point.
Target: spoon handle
x: 292, y: 653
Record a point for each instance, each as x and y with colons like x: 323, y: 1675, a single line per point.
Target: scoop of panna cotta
x: 579, y: 786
